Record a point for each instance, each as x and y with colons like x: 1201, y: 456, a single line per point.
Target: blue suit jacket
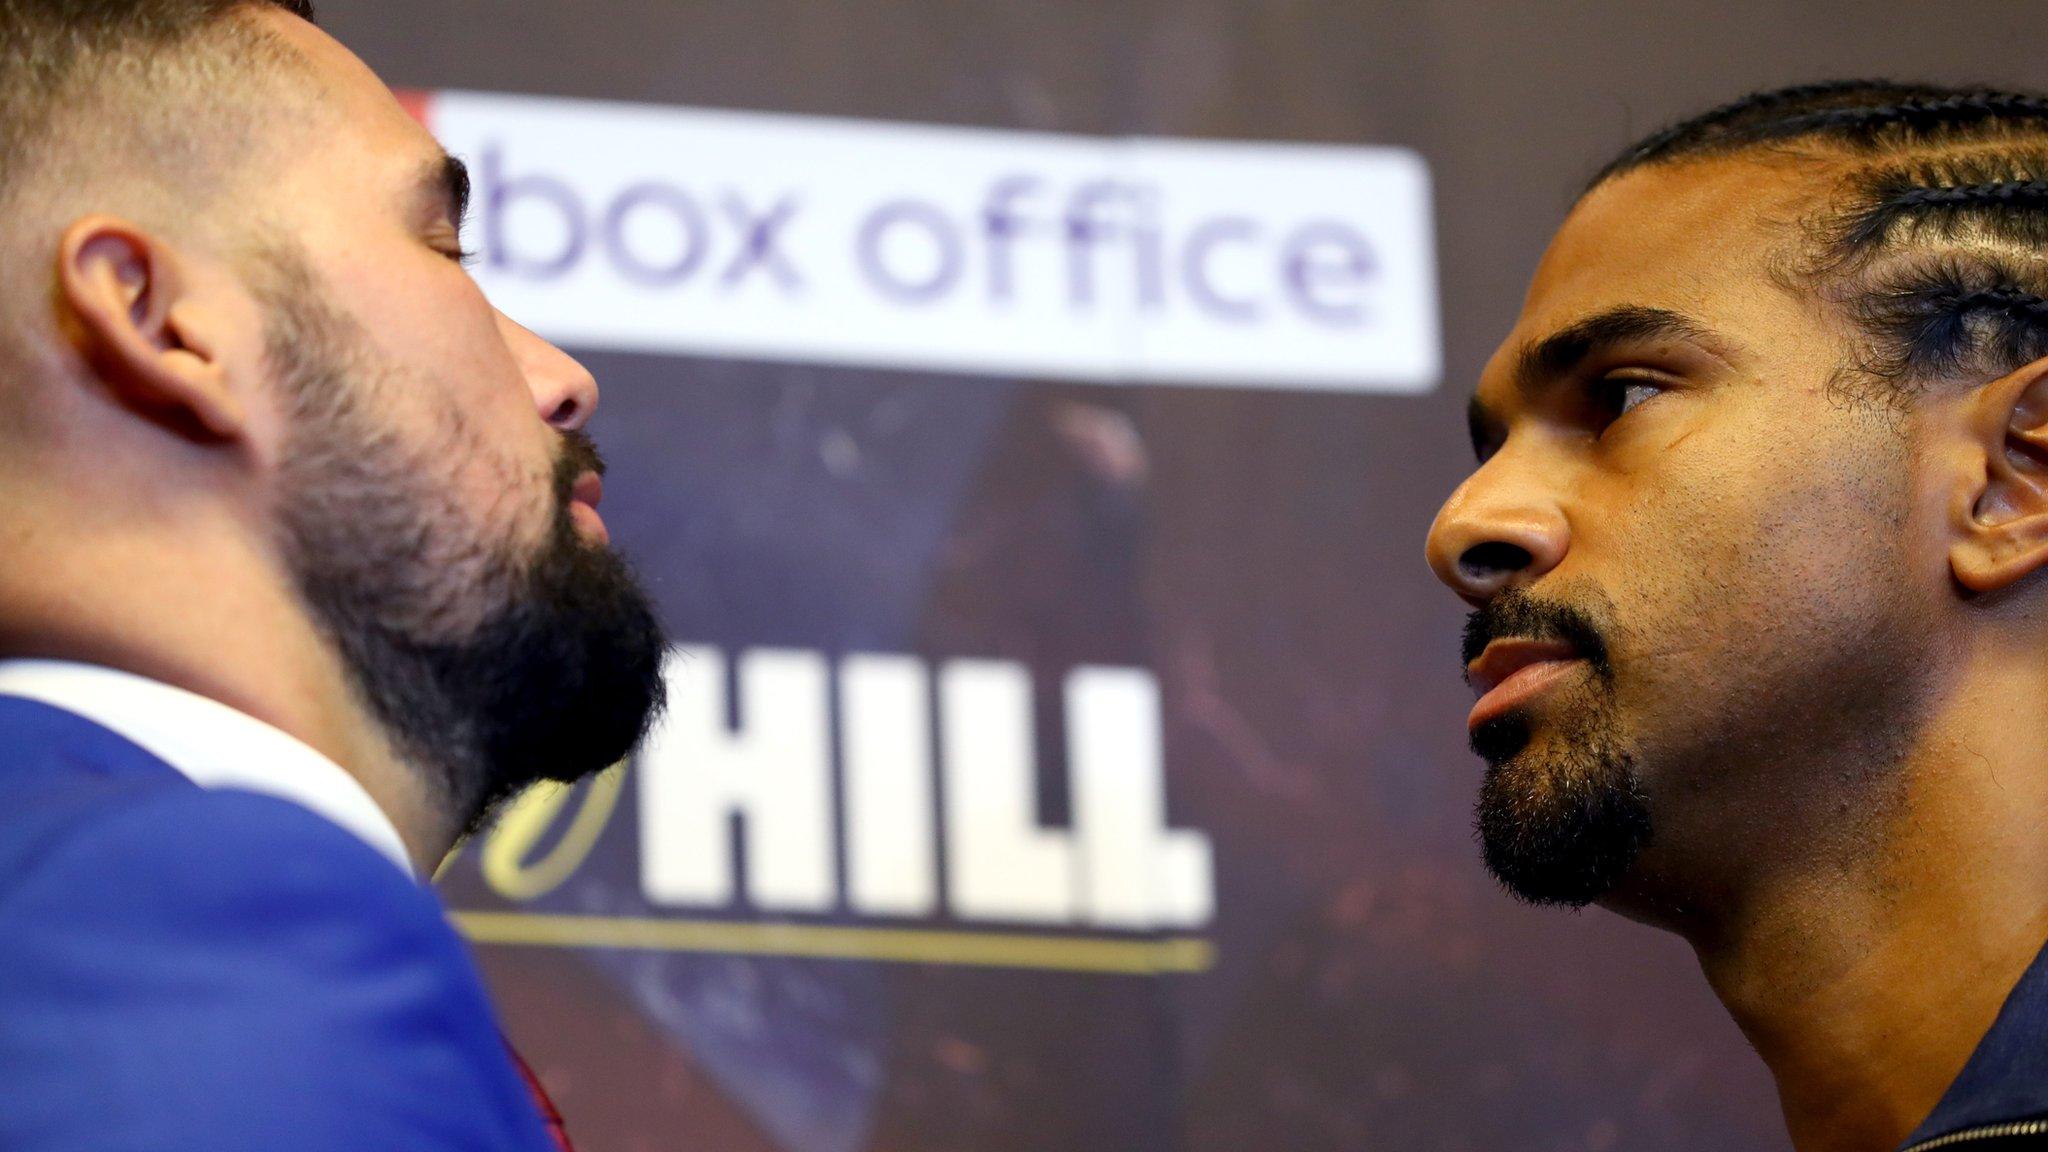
x: 191, y: 969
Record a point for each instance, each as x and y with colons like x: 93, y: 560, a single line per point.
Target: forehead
x: 1708, y: 240
x: 365, y: 120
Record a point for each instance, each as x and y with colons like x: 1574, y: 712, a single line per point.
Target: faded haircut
x: 1933, y: 238
x: 75, y: 75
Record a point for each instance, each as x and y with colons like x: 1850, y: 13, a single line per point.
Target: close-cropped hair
x: 1933, y: 239
x: 75, y: 73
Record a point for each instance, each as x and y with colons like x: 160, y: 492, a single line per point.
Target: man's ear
x: 137, y: 320
x: 2003, y: 512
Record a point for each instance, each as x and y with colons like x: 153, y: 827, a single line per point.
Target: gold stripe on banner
x: 893, y: 945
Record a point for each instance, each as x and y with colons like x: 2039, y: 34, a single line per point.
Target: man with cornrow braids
x: 1757, y: 552
x: 301, y: 572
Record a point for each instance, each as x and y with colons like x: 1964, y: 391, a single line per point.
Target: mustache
x: 579, y: 455
x: 1517, y: 614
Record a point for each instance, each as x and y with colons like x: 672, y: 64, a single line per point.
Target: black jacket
x: 2000, y: 1100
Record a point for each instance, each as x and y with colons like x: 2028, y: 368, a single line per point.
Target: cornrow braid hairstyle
x: 1934, y: 241
x: 1949, y: 318
x: 1910, y: 117
x: 1731, y: 120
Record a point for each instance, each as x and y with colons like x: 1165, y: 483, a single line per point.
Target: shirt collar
x: 2006, y: 1079
x: 213, y: 745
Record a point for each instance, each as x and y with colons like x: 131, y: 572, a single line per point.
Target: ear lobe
x: 130, y: 299
x: 2005, y: 520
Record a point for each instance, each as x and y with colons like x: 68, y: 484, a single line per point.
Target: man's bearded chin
x: 555, y: 673
x: 1561, y: 817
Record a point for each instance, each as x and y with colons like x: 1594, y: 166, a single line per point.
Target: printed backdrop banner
x: 1016, y: 792
x: 970, y: 250
x: 1027, y: 417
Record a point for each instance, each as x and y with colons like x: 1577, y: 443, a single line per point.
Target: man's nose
x: 563, y: 390
x: 1495, y: 533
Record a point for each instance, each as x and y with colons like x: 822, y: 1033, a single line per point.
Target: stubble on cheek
x: 403, y: 494
x: 1767, y: 672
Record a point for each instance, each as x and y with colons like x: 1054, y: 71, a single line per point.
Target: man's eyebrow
x: 1559, y: 353
x: 444, y: 182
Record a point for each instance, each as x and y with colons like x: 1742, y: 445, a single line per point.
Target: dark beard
x: 557, y: 673
x: 1562, y: 823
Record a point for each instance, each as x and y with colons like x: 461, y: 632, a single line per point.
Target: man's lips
x: 584, y: 497
x: 1511, y: 672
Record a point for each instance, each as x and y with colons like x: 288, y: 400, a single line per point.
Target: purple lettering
x: 1001, y: 224
x: 922, y: 217
x: 655, y: 196
x: 1151, y: 256
x: 1327, y: 265
x: 1201, y: 244
x: 760, y: 242
x: 1084, y: 228
x: 1087, y: 224
x: 498, y: 195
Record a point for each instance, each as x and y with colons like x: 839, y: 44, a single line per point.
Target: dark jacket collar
x: 2006, y: 1080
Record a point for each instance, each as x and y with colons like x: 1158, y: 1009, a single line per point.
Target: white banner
x: 759, y: 236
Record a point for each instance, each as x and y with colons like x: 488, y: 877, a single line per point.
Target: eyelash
x: 1610, y: 393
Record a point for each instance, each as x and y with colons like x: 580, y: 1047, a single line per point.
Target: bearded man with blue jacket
x: 300, y: 573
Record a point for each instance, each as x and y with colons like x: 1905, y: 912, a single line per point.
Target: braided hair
x: 1935, y: 242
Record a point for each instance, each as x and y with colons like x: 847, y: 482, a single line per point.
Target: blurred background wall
x: 1254, y: 553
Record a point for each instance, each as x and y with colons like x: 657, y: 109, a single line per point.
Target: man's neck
x: 1864, y: 1039
x: 253, y: 650
x: 1867, y: 979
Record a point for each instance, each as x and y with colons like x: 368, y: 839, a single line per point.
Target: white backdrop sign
x: 777, y: 237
